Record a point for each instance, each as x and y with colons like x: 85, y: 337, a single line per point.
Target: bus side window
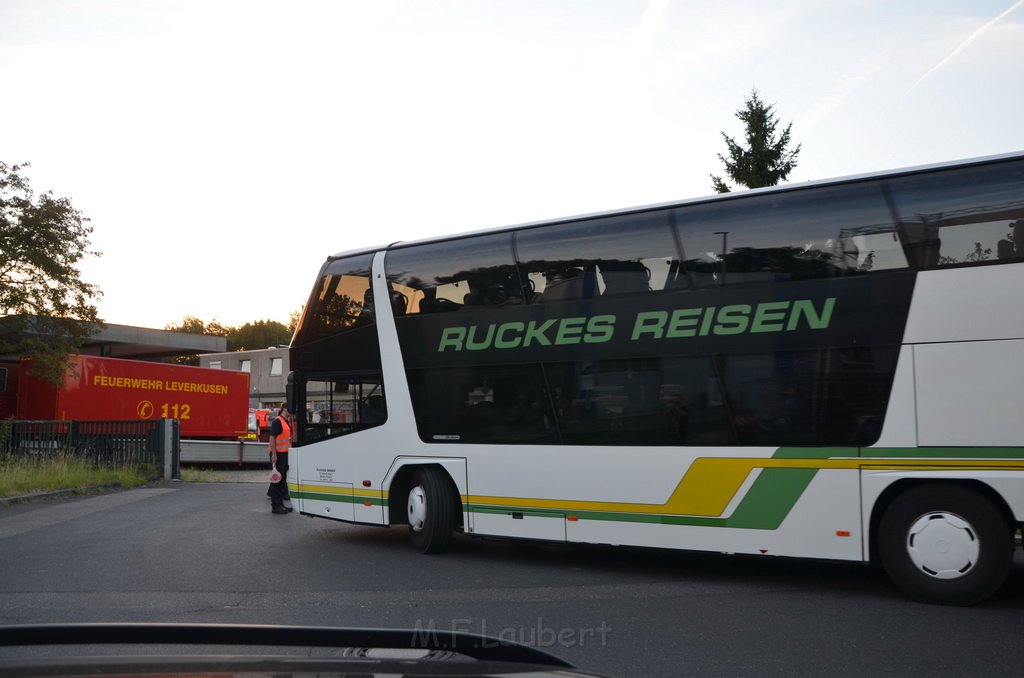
x: 341, y: 404
x: 399, y: 303
x: 769, y: 239
x: 568, y: 284
x: 598, y: 257
x: 457, y: 274
x: 967, y: 215
x: 922, y: 243
x: 625, y: 277
x: 494, y: 404
x: 375, y: 410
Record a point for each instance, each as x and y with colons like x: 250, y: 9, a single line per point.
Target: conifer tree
x: 766, y: 160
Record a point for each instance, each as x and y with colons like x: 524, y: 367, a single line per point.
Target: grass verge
x: 202, y: 475
x: 25, y: 475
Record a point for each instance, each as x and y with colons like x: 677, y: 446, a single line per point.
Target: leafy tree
x: 252, y: 335
x: 979, y: 253
x: 259, y: 334
x: 293, y: 319
x: 766, y: 160
x: 45, y: 304
x: 976, y: 255
x: 193, y: 325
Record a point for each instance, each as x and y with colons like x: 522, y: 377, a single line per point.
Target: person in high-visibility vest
x: 280, y: 443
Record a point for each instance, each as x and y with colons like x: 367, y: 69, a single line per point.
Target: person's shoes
x: 280, y: 510
x: 288, y: 505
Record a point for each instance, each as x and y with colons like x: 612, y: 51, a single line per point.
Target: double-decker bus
x: 829, y: 370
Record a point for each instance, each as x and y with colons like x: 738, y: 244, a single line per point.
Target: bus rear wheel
x: 431, y: 511
x: 945, y: 543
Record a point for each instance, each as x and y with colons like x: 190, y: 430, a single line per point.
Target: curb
x: 55, y: 494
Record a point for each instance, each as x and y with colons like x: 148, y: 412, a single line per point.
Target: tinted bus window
x: 828, y: 397
x: 798, y: 235
x: 507, y: 404
x: 650, y: 401
x: 454, y: 274
x: 342, y: 300
x: 629, y: 254
x: 339, y: 404
x: 963, y: 216
x: 338, y: 327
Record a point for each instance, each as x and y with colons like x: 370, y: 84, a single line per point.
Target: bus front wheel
x: 431, y: 511
x: 945, y: 544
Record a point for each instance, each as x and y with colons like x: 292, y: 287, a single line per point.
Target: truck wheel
x: 431, y: 511
x: 945, y: 543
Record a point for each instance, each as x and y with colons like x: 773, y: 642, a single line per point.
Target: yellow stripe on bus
x: 707, y: 487
x: 334, y: 489
x: 710, y: 483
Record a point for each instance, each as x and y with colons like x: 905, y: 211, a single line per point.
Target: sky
x: 223, y: 149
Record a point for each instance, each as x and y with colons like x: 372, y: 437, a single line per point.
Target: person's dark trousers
x: 279, y: 490
x: 270, y: 488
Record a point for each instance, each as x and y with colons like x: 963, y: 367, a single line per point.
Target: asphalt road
x: 213, y: 552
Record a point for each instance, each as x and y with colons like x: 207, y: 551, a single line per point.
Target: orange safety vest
x: 282, y: 443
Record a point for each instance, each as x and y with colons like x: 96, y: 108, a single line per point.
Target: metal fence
x: 222, y: 452
x: 104, y: 443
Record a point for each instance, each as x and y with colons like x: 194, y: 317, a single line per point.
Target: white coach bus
x: 830, y: 370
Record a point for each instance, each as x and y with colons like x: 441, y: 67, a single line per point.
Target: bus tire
x: 945, y: 543
x: 431, y: 510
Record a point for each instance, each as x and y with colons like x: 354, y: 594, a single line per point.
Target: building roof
x: 125, y: 341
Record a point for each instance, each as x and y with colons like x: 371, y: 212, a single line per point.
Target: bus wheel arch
x: 943, y: 542
x: 425, y: 498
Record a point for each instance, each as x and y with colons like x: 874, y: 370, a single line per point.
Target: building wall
x: 268, y: 372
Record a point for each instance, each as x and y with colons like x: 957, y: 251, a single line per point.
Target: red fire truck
x: 209, y: 403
